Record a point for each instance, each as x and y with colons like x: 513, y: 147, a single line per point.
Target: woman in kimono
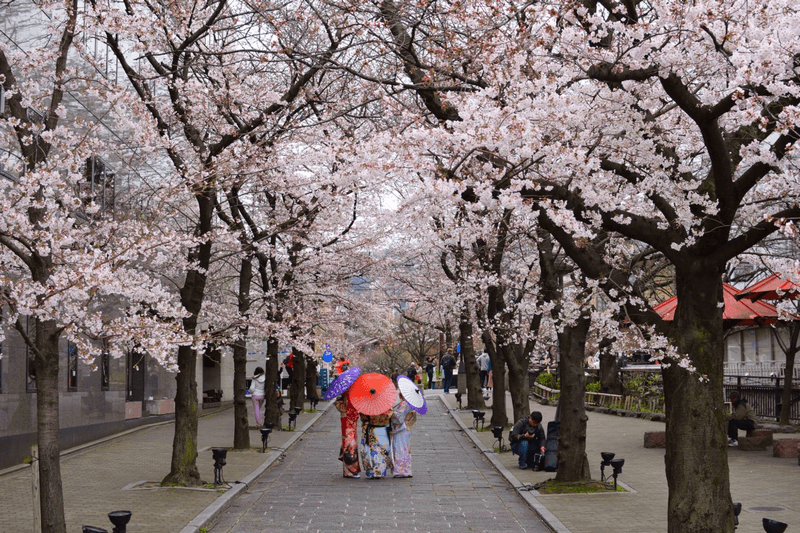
x: 403, y: 420
x: 348, y: 451
x: 376, y: 448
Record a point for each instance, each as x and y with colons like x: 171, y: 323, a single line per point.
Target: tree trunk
x: 272, y: 412
x: 46, y: 365
x: 573, y: 465
x: 465, y: 330
x: 696, y: 449
x: 788, y: 375
x: 241, y: 424
x: 518, y: 382
x: 311, y: 379
x: 610, y: 382
x: 184, y: 443
x: 296, y: 389
x: 499, y: 416
x: 183, y: 470
x: 241, y: 429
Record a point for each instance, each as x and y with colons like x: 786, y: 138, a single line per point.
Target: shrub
x: 549, y: 381
x: 593, y: 386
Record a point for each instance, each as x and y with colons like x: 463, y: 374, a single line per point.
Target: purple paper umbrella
x: 340, y: 385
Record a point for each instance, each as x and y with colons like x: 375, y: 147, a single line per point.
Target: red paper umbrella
x: 372, y: 394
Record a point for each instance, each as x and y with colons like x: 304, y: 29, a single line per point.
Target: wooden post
x: 37, y: 508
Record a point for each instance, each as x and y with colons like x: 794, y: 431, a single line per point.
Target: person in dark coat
x: 742, y: 417
x: 527, y: 441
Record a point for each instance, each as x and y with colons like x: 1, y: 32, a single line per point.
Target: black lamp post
x: 314, y: 402
x: 607, y: 456
x: 293, y: 420
x: 497, y: 431
x: 265, y: 431
x: 220, y: 455
x: 773, y: 526
x: 478, y: 417
x: 120, y: 520
x: 616, y: 464
x: 458, y: 399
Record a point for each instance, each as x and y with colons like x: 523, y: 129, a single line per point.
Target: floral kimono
x: 403, y: 420
x: 348, y: 451
x: 376, y: 449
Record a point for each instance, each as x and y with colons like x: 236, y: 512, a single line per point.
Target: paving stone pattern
x: 454, y: 488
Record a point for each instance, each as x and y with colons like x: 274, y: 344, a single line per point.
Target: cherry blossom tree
x: 78, y: 269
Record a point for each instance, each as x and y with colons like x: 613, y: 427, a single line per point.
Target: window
x: 72, y: 367
x: 749, y: 345
x: 105, y: 377
x: 764, y: 342
x: 734, y: 344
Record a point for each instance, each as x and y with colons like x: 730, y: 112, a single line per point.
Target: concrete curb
x: 224, y: 501
x: 525, y: 491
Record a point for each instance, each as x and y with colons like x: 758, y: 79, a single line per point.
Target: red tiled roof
x: 769, y: 289
x: 742, y: 312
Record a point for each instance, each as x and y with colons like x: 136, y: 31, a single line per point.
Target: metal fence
x: 764, y: 395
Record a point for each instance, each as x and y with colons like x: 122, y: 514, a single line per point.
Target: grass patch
x: 580, y: 487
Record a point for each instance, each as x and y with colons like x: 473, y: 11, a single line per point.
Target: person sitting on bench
x: 527, y: 441
x: 741, y: 417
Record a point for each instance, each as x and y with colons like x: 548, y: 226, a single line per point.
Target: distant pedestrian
x: 411, y: 372
x: 403, y: 419
x: 429, y: 366
x: 376, y: 448
x: 742, y: 417
x: 448, y: 364
x: 483, y: 369
x: 286, y: 377
x: 348, y: 451
x: 257, y: 393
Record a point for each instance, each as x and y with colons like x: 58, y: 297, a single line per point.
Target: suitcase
x: 551, y: 447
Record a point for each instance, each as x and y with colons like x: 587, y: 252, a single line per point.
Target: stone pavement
x: 454, y: 488
x: 449, y: 490
x: 766, y: 486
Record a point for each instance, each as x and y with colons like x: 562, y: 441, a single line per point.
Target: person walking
x: 403, y: 419
x: 257, y: 393
x: 483, y: 369
x: 376, y: 447
x: 448, y: 364
x: 348, y: 451
x: 742, y: 417
x: 411, y: 372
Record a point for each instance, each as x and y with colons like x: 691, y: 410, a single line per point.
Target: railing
x: 602, y: 399
x: 764, y: 394
x: 761, y: 369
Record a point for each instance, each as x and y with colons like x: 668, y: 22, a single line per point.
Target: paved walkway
x: 454, y: 488
x: 458, y: 483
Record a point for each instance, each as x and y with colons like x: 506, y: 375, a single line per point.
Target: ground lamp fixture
x: 737, y: 508
x: 478, y: 417
x: 607, y: 456
x: 314, y: 402
x: 120, y: 520
x: 497, y: 431
x: 773, y: 526
x: 265, y: 431
x: 92, y: 529
x: 616, y: 464
x: 458, y: 399
x: 219, y: 455
x: 293, y: 418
